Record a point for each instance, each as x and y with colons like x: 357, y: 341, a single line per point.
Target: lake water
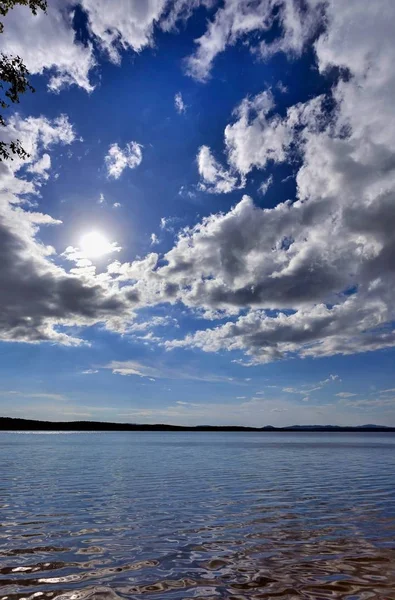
x: 197, y: 515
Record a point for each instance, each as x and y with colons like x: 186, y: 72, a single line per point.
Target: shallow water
x: 197, y: 515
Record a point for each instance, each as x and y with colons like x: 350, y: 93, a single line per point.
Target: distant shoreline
x: 16, y: 424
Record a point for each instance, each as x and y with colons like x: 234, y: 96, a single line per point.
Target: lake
x: 197, y: 515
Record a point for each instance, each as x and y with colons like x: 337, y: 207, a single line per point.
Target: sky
x: 204, y: 230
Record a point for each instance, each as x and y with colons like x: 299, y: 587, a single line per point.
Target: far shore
x: 16, y: 424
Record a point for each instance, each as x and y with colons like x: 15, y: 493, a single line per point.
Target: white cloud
x: 215, y: 179
x: 170, y: 223
x: 330, y: 379
x: 345, y: 329
x: 47, y: 43
x: 256, y: 139
x: 41, y: 166
x: 38, y: 135
x: 265, y: 185
x: 180, y: 11
x: 323, y: 262
x: 313, y: 277
x: 179, y: 103
x: 238, y: 18
x: 251, y: 413
x: 154, y: 239
x: 366, y: 405
x: 42, y: 395
x: 40, y: 300
x: 81, y: 256
x: 345, y: 395
x: 229, y: 23
x: 133, y: 367
x: 118, y: 159
x: 154, y: 321
x: 128, y: 25
x: 258, y: 413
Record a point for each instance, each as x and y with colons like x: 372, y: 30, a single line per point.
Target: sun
x: 94, y: 244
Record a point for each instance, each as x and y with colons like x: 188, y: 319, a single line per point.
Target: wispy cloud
x: 256, y: 412
x: 132, y: 367
x: 179, y: 103
x: 308, y: 388
x: 154, y: 239
x: 330, y: 379
x: 42, y: 395
x: 265, y: 185
x: 383, y: 403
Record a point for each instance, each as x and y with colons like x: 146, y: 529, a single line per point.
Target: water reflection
x: 236, y: 516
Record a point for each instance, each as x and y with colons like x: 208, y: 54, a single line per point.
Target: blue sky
x: 203, y: 232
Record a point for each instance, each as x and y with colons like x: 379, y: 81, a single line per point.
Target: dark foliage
x: 11, y: 424
x: 14, y: 78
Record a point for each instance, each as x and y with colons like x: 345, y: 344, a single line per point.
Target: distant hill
x: 11, y: 424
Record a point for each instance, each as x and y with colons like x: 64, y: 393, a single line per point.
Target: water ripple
x: 211, y: 515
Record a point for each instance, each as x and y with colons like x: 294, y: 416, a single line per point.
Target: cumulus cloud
x: 258, y: 138
x: 38, y: 135
x: 179, y: 11
x: 49, y: 45
x: 41, y: 166
x: 118, y: 159
x: 238, y: 18
x: 128, y: 25
x: 155, y: 321
x: 320, y: 331
x: 215, y: 179
x: 313, y: 276
x: 40, y: 300
x: 324, y: 261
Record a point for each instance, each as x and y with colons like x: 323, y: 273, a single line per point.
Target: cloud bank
x: 313, y: 276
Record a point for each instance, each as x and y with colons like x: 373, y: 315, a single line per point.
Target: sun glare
x: 95, y: 244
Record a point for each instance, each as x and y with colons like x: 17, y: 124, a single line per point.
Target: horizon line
x: 113, y: 426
